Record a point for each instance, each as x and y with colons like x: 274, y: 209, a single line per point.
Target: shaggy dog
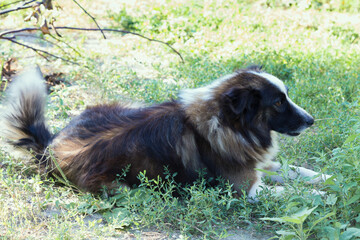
x: 227, y: 128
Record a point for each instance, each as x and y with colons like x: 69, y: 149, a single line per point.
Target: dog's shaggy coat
x: 227, y: 128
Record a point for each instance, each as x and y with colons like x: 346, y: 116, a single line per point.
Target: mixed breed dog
x: 227, y: 129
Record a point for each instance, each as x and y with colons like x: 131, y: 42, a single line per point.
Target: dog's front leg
x: 260, y: 186
x: 250, y: 181
x: 274, y: 167
x: 294, y: 172
x: 315, y: 177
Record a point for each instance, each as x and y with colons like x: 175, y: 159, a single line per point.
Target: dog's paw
x: 320, y: 178
x: 317, y: 192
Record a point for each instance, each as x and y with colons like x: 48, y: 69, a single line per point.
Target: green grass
x: 313, y: 48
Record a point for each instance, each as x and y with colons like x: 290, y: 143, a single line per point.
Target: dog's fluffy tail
x: 23, y: 121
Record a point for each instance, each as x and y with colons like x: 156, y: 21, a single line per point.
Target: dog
x: 227, y: 128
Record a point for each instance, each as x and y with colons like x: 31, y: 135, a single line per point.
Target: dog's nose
x: 310, y: 121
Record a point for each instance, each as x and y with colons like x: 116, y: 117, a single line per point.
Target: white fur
x: 292, y: 173
x: 281, y: 86
x: 271, y: 152
x: 315, y: 177
x: 255, y: 189
x: 30, y: 85
x: 259, y: 186
x: 274, y: 80
x: 191, y: 96
x: 30, y: 82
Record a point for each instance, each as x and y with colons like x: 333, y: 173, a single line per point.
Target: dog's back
x: 97, y: 145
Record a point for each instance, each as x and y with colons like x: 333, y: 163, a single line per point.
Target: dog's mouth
x: 293, y: 134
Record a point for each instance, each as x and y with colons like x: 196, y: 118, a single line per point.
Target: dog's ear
x: 242, y: 100
x: 255, y: 68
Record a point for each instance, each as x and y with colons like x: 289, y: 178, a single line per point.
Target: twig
x: 39, y: 51
x: 28, y: 2
x: 19, y: 30
x: 50, y: 42
x: 127, y: 32
x: 95, y: 29
x: 36, y: 37
x: 68, y: 45
x: 12, y: 3
x: 17, y: 8
x: 90, y: 17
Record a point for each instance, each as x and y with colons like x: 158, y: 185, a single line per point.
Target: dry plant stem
x: 50, y: 42
x: 42, y: 39
x: 39, y: 51
x: 17, y: 8
x: 12, y: 3
x: 90, y: 17
x: 91, y: 29
x: 127, y: 32
x: 68, y: 45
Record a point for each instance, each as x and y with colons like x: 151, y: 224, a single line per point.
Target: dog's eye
x: 279, y: 103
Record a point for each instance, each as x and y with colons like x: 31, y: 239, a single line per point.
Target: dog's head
x: 257, y: 97
x: 253, y: 100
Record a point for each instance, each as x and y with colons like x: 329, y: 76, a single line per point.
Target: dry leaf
x: 44, y: 27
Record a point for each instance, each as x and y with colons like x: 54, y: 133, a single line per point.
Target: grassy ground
x: 312, y: 45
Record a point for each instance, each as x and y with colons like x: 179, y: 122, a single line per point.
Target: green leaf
x: 274, y: 219
x: 228, y: 205
x: 313, y: 224
x: 350, y: 233
x: 291, y: 205
x: 286, y: 233
x: 303, y: 214
x: 331, y: 199
x: 351, y: 138
x: 357, y: 219
x: 352, y: 199
x: 330, y: 180
x: 119, y: 217
x: 270, y: 173
x: 296, y: 218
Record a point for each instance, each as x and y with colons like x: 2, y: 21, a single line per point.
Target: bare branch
x: 24, y: 6
x: 47, y: 4
x: 12, y: 3
x: 19, y: 30
x: 94, y: 29
x: 90, y: 17
x: 39, y: 51
x: 28, y: 2
x: 50, y: 42
x: 126, y: 32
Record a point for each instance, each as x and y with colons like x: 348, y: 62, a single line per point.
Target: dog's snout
x: 310, y: 121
